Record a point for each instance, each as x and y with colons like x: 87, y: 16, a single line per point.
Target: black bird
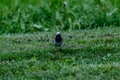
x: 58, y: 40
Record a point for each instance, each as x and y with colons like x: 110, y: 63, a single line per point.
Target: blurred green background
x: 22, y: 16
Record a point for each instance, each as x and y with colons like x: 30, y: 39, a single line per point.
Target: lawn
x: 91, y: 54
x: 91, y: 40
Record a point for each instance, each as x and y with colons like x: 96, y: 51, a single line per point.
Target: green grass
x: 23, y: 16
x: 90, y: 54
x: 91, y: 40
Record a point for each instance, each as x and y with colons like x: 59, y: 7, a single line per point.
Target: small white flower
x: 65, y: 3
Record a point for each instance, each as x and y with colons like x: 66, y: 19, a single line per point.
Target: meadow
x: 22, y: 16
x: 91, y: 40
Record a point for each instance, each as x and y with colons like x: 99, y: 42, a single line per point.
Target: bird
x: 58, y: 40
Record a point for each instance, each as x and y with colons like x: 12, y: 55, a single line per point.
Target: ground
x: 90, y: 54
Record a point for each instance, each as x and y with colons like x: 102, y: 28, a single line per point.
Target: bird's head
x: 57, y: 33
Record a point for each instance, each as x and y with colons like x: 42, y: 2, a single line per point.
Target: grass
x: 91, y: 40
x: 90, y: 54
x: 24, y: 16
